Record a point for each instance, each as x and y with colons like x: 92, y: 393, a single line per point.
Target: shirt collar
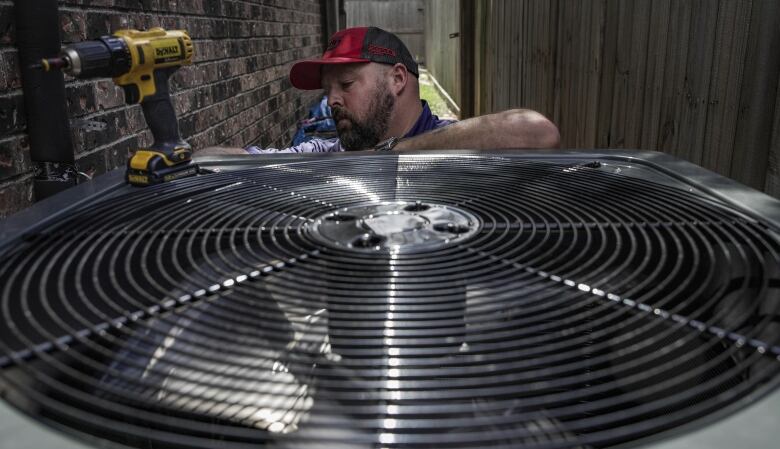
x: 425, y: 122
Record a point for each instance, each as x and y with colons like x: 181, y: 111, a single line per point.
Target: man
x: 370, y: 79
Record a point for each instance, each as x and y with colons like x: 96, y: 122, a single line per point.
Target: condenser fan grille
x: 391, y: 301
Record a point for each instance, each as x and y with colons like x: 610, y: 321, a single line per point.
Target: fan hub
x: 402, y: 225
x: 394, y: 222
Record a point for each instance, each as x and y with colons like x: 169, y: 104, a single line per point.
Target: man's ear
x: 399, y: 78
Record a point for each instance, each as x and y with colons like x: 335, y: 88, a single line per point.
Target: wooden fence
x: 402, y: 17
x: 442, y: 46
x: 694, y: 78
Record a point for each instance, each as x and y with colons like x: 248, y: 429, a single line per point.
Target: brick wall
x: 236, y: 93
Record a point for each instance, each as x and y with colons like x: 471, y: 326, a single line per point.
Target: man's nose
x: 335, y: 99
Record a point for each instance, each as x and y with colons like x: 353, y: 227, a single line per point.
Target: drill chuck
x: 104, y: 57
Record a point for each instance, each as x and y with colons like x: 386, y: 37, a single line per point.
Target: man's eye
x: 346, y: 84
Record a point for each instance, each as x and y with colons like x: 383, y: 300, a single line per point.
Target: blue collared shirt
x: 425, y: 122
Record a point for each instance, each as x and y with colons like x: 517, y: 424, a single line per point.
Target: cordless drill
x: 141, y: 62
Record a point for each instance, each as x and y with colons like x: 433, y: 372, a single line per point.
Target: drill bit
x: 49, y: 64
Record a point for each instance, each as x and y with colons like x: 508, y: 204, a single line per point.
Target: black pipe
x: 51, y: 146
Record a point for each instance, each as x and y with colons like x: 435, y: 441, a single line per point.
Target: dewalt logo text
x: 162, y: 52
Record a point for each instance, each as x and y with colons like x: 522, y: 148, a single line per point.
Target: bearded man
x: 371, y: 82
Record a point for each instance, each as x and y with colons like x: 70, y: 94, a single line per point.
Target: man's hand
x: 515, y: 128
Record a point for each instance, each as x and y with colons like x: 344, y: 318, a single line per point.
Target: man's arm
x: 515, y: 128
x: 318, y: 145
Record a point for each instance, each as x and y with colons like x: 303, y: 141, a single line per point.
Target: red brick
x: 14, y: 156
x: 73, y: 26
x: 15, y: 195
x: 7, y: 29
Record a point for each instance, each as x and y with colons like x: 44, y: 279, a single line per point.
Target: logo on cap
x: 377, y: 50
x: 334, y: 43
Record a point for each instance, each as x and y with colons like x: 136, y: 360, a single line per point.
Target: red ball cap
x: 363, y: 44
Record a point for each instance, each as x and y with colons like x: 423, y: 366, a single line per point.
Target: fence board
x: 756, y: 111
x: 467, y: 69
x: 479, y: 56
x: 443, y: 51
x: 516, y: 53
x: 728, y: 65
x: 405, y: 18
x: 566, y: 71
x: 772, y: 186
x: 637, y: 72
x: 501, y: 75
x: 539, y: 64
x: 575, y: 92
x: 492, y: 81
x: 674, y: 78
x: 487, y: 59
x: 699, y: 74
x: 592, y: 74
x: 654, y: 76
x: 622, y: 69
x: 558, y: 93
x: 604, y: 137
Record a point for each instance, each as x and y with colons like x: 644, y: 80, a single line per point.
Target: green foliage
x: 437, y: 104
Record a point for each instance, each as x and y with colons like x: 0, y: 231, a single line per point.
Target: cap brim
x: 305, y: 75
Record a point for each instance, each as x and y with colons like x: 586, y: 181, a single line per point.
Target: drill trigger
x: 132, y: 94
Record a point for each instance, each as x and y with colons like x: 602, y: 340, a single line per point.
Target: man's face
x: 361, y: 102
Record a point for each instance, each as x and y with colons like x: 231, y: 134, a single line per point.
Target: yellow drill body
x: 141, y: 63
x: 151, y: 50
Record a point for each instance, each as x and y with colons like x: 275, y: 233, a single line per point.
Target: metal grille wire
x: 591, y: 309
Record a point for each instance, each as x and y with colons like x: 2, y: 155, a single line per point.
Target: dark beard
x: 366, y: 134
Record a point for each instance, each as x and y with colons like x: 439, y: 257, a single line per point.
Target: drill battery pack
x: 148, y: 167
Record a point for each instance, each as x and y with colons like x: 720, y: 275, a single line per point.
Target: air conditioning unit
x: 451, y: 299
